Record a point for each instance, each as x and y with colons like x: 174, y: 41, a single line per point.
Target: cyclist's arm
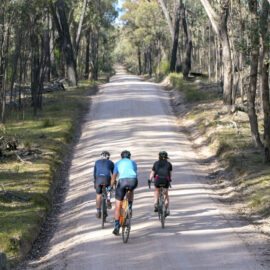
x: 95, y: 172
x: 152, y: 175
x: 113, y: 178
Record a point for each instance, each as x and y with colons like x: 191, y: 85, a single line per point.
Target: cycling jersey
x: 126, y: 168
x: 103, y: 167
x: 162, y: 168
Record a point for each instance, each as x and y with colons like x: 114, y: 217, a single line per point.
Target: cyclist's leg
x: 98, y: 200
x: 119, y: 196
x: 108, y: 182
x: 98, y: 182
x: 132, y: 184
x: 166, y: 197
x: 156, y: 195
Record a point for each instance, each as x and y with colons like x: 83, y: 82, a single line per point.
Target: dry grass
x: 229, y: 139
x: 27, y: 183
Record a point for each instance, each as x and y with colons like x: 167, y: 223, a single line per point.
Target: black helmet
x: 163, y: 155
x: 125, y: 154
x: 105, y: 154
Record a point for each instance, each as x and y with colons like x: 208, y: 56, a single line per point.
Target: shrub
x: 27, y: 144
x: 48, y: 122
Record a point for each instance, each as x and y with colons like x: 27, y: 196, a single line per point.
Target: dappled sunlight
x: 134, y: 115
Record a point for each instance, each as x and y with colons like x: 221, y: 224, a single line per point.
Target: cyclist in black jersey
x: 162, y: 174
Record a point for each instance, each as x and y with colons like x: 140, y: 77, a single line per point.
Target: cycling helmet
x: 163, y: 155
x: 105, y: 154
x: 125, y: 154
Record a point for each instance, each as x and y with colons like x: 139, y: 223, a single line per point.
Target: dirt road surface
x: 132, y: 114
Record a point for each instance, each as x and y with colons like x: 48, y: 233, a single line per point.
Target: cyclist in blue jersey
x: 126, y: 170
x: 102, y: 175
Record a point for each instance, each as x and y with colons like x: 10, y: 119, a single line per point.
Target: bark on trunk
x: 5, y: 82
x: 139, y: 61
x: 265, y: 77
x: 168, y: 18
x: 87, y: 55
x: 175, y: 38
x: 78, y: 36
x: 219, y: 24
x: 226, y: 56
x: 60, y: 19
x: 187, y: 64
x: 52, y: 64
x: 251, y: 95
x: 15, y: 63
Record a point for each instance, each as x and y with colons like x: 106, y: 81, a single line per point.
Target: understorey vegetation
x: 29, y: 171
x: 237, y: 169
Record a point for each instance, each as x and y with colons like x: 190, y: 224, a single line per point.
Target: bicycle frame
x: 125, y: 219
x: 161, y: 206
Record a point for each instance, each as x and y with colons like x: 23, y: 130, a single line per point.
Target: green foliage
x: 165, y: 67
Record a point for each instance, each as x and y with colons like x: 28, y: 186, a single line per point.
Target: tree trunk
x: 78, y: 36
x: 35, y: 69
x: 264, y: 31
x: 63, y: 29
x: 251, y: 95
x: 226, y: 56
x: 87, y: 55
x: 187, y: 64
x: 175, y: 38
x: 168, y: 18
x: 52, y: 64
x: 15, y: 62
x: 139, y: 61
x: 5, y: 79
x: 219, y: 24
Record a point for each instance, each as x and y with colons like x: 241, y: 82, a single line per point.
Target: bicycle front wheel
x: 126, y: 228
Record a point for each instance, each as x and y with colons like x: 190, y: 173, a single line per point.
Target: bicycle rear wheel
x: 126, y: 227
x: 103, y: 212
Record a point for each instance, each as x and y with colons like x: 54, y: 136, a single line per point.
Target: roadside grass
x: 229, y: 138
x: 26, y: 185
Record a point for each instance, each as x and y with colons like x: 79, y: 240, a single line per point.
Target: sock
x: 117, y: 223
x: 98, y: 210
x: 130, y: 204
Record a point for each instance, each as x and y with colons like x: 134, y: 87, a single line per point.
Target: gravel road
x: 132, y: 114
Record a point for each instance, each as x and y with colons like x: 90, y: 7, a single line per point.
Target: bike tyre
x: 126, y: 228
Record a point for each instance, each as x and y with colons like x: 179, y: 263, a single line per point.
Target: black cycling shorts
x: 161, y: 181
x: 101, y: 180
x: 122, y: 184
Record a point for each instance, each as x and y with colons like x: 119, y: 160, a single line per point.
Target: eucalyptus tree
x: 264, y: 62
x: 219, y: 24
x: 146, y: 29
x: 58, y: 9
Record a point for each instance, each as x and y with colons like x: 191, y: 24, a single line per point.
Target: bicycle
x: 103, y: 205
x: 125, y: 218
x: 161, y: 205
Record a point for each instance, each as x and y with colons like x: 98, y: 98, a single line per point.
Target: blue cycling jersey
x: 103, y: 167
x: 126, y: 168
